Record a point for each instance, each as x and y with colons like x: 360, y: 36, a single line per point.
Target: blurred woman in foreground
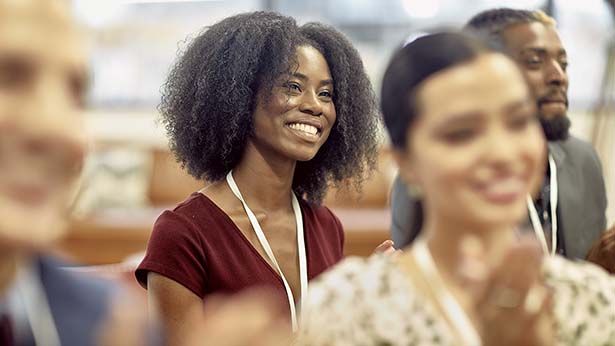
x: 467, y: 140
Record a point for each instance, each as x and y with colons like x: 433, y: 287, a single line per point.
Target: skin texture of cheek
x: 450, y: 190
x: 535, y: 82
x: 445, y: 186
x: 271, y: 131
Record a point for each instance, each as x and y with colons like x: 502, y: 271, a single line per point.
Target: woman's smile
x: 305, y: 131
x: 503, y: 190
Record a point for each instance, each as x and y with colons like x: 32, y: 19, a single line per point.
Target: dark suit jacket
x: 78, y: 304
x: 581, y: 203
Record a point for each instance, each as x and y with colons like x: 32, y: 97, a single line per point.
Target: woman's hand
x: 513, y: 305
x: 250, y: 318
x: 386, y: 248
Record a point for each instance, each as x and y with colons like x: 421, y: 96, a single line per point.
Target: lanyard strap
x: 36, y: 305
x: 265, y: 244
x: 454, y: 312
x: 536, y: 224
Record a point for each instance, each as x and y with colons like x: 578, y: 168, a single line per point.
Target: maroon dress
x: 199, y: 246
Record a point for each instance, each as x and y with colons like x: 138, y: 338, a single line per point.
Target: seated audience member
x: 468, y: 279
x: 568, y: 214
x: 270, y: 114
x: 603, y: 251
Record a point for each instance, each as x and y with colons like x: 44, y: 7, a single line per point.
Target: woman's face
x: 476, y: 148
x: 300, y: 113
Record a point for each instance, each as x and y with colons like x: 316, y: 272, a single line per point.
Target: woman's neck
x: 265, y: 181
x: 445, y: 240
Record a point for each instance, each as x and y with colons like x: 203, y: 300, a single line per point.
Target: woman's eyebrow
x: 304, y: 78
x: 460, y: 119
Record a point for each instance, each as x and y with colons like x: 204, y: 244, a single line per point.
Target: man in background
x: 568, y: 213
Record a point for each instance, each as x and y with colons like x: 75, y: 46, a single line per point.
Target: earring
x: 415, y: 191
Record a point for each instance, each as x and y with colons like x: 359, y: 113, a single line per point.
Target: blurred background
x: 131, y: 177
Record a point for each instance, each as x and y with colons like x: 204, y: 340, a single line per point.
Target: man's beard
x: 555, y: 128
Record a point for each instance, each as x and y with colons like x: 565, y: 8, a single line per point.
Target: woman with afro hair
x: 270, y: 114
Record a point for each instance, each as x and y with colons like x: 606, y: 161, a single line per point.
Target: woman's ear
x: 406, y: 166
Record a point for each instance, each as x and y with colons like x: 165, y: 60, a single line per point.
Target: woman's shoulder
x: 195, y: 202
x: 316, y: 210
x: 584, y: 302
x: 336, y: 301
x: 365, y: 301
x: 195, y: 208
x: 356, y: 282
x: 195, y: 220
x: 320, y: 215
x: 320, y: 218
x: 354, y: 276
x: 581, y: 274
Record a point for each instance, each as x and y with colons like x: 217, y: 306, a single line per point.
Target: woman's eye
x: 521, y: 122
x: 459, y: 136
x: 292, y: 87
x: 15, y: 74
x: 326, y: 94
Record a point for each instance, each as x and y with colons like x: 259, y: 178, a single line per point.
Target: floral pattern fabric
x: 373, y: 302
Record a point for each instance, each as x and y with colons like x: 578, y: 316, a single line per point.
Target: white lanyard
x: 265, y: 244
x: 36, y: 306
x: 540, y: 234
x: 455, y: 313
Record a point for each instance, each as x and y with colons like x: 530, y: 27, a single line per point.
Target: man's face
x: 540, y: 54
x: 42, y: 143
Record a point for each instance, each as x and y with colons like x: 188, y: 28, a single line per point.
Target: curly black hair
x: 210, y: 95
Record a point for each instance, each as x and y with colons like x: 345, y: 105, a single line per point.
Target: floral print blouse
x: 373, y: 302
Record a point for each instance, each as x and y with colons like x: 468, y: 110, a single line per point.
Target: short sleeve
x: 340, y: 231
x: 175, y: 251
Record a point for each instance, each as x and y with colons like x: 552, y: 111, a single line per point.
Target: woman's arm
x: 177, y: 309
x: 250, y: 318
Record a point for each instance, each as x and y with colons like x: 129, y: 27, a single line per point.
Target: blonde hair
x: 544, y: 18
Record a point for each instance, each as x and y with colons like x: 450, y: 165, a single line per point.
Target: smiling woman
x: 270, y: 114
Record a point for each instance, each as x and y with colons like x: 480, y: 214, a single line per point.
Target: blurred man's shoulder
x: 574, y: 148
x: 76, y: 290
x: 574, y: 144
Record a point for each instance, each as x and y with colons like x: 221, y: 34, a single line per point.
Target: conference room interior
x: 131, y: 176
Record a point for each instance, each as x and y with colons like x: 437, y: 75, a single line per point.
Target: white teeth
x: 304, y: 128
x: 505, y: 186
